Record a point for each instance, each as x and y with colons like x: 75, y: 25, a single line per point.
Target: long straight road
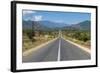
x: 58, y: 50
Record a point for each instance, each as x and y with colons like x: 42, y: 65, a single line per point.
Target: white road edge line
x: 81, y: 47
x: 59, y: 50
x: 38, y: 47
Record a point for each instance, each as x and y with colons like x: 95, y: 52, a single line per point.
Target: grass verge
x: 84, y: 44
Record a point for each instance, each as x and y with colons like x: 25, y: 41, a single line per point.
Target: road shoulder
x: 38, y: 47
x: 81, y: 47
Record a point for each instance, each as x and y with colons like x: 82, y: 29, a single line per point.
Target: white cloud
x: 37, y: 18
x: 28, y: 12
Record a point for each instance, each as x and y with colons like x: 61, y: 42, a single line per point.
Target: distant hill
x: 48, y: 25
x: 27, y: 24
x: 85, y: 25
x: 51, y: 24
x: 34, y: 25
x: 42, y: 25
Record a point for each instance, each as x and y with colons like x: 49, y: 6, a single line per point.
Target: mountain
x: 34, y: 25
x: 27, y: 24
x: 51, y: 24
x: 85, y: 25
x: 43, y: 25
x: 48, y: 25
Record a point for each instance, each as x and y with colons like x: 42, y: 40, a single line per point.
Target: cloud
x: 28, y: 12
x: 37, y: 18
x: 30, y: 15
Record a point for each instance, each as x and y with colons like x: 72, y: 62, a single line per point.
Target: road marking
x: 59, y: 50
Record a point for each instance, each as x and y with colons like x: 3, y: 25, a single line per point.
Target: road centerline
x: 59, y: 48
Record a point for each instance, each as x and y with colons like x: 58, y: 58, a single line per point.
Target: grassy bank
x: 80, y: 37
x: 84, y: 44
x: 31, y: 40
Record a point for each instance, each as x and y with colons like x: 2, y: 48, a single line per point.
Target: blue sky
x: 61, y: 17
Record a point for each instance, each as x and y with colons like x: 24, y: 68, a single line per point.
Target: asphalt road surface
x: 58, y: 50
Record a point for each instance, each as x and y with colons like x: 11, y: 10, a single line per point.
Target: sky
x: 55, y: 16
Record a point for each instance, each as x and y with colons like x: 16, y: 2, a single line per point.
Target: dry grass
x: 28, y: 44
x: 84, y: 44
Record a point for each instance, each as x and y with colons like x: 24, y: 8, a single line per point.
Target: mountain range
x: 49, y: 25
x: 85, y: 25
x: 34, y: 25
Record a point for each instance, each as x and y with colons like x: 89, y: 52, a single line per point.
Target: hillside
x: 34, y: 25
x: 85, y: 25
x: 48, y: 25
